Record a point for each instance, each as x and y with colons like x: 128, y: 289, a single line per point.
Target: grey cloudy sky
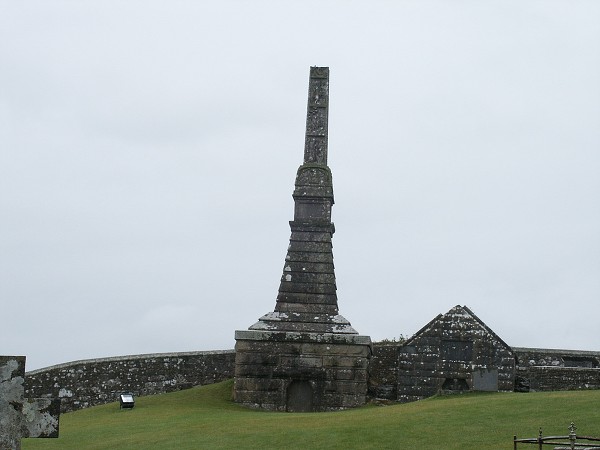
x: 148, y: 151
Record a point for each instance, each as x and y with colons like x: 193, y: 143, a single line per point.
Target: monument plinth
x: 304, y: 356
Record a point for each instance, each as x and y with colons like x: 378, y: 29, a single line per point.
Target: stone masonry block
x: 258, y: 397
x: 256, y: 358
x: 346, y: 387
x: 307, y: 288
x: 303, y: 267
x: 253, y: 370
x: 345, y: 361
x: 349, y: 350
x: 306, y: 308
x: 311, y: 236
x: 310, y: 247
x: 259, y: 384
x: 344, y: 374
x: 301, y: 361
x: 301, y: 256
x: 306, y: 277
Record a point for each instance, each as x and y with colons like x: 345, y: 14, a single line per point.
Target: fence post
x: 572, y: 435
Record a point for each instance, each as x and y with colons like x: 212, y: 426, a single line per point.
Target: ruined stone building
x: 305, y: 356
x: 457, y: 352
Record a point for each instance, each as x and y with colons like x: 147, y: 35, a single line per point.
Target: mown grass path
x: 206, y: 418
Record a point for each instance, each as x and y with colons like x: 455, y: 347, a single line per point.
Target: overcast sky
x: 148, y: 151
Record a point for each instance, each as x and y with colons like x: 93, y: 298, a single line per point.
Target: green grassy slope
x: 206, y: 418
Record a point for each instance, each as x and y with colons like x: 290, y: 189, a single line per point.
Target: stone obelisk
x: 304, y: 356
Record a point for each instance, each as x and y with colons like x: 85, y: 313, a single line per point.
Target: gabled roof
x: 459, y: 309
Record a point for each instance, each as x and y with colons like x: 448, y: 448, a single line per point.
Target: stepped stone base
x: 300, y: 372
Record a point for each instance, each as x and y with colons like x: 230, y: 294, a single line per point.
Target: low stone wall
x: 540, y: 369
x: 81, y: 384
x: 383, y: 371
x: 527, y: 357
x: 550, y: 378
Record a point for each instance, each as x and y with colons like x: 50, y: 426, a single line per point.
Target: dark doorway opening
x: 299, y: 396
x: 452, y: 385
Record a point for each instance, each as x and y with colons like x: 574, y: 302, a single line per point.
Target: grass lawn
x: 206, y: 418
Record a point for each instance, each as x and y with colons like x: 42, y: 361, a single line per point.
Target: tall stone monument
x: 304, y: 356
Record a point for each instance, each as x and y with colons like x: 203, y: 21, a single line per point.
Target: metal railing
x: 569, y: 442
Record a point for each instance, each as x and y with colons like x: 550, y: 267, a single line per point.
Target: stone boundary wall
x: 383, y: 371
x: 541, y: 369
x: 527, y: 357
x: 551, y: 378
x: 536, y: 370
x: 80, y: 384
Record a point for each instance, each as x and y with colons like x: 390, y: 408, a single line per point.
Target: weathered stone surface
x: 258, y: 358
x: 346, y: 361
x: 22, y: 417
x: 527, y: 357
x: 304, y: 257
x: 312, y: 327
x: 302, y: 267
x: 307, y: 298
x: 555, y: 369
x: 311, y: 236
x: 307, y: 360
x: 306, y: 277
x: 383, y: 372
x: 306, y: 307
x: 306, y: 317
x: 296, y: 361
x: 310, y: 247
x: 12, y: 377
x: 41, y: 417
x: 81, y: 384
x: 296, y: 338
x: 307, y: 288
x: 455, y: 350
x: 419, y: 367
x: 306, y: 310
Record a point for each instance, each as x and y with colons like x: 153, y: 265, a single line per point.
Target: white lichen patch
x: 7, y: 370
x: 39, y: 423
x: 339, y: 319
x: 11, y: 391
x: 262, y: 326
x: 274, y: 316
x: 65, y: 393
x: 342, y: 329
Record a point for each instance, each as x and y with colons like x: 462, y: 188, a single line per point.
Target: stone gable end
x: 455, y: 352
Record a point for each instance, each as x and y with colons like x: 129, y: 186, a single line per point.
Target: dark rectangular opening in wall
x: 457, y: 350
x: 580, y: 361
